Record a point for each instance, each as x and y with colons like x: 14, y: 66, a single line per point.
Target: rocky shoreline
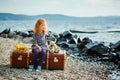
x: 85, y: 51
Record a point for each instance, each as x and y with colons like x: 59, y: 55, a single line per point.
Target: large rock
x: 64, y: 45
x: 11, y: 34
x: 61, y: 40
x: 81, y: 44
x: 79, y: 40
x: 4, y: 35
x: 114, y: 57
x: 73, y: 41
x: 30, y: 34
x: 51, y: 39
x: 17, y: 32
x: 24, y: 34
x: 6, y: 31
x: 98, y: 49
x: 73, y: 47
x: 115, y: 47
x: 86, y: 40
x: 67, y: 34
x: 30, y: 31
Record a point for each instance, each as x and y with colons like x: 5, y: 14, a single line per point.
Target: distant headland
x: 10, y: 16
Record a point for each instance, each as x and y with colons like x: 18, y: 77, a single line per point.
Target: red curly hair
x: 40, y: 26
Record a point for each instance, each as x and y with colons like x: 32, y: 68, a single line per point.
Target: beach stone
x: 24, y: 34
x: 81, y: 46
x: 113, y: 57
x: 55, y: 35
x: 61, y: 40
x: 30, y: 33
x: 115, y: 46
x: 73, y: 47
x: 51, y: 39
x: 4, y: 35
x: 86, y: 40
x: 118, y: 55
x: 64, y: 45
x: 98, y: 49
x: 75, y: 36
x: 67, y: 34
x: 73, y: 41
x: 6, y: 31
x: 11, y: 34
x: 79, y: 40
x: 17, y: 32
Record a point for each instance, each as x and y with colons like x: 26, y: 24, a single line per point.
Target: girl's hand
x: 38, y: 47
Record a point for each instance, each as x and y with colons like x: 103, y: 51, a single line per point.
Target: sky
x: 78, y: 8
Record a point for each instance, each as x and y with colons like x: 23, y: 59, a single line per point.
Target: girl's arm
x: 46, y: 42
x: 34, y: 40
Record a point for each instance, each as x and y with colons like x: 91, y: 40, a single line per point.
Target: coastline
x: 82, y: 63
x: 75, y: 69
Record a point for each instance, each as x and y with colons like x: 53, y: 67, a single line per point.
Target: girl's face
x: 40, y: 28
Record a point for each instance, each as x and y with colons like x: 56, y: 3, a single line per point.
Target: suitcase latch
x: 55, y: 59
x: 20, y: 58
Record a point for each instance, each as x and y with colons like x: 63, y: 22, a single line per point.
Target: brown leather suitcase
x: 19, y: 59
x: 57, y: 61
x: 45, y: 64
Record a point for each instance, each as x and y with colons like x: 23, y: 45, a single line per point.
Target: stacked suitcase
x: 19, y: 59
x: 56, y: 61
x: 52, y: 61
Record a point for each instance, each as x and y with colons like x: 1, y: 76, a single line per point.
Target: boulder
x: 51, y: 39
x: 118, y: 55
x: 81, y: 44
x: 30, y: 34
x: 17, y: 32
x: 86, y: 40
x: 64, y: 45
x: 97, y: 49
x: 115, y: 47
x: 30, y: 31
x: 73, y: 47
x: 112, y: 57
x: 4, y: 35
x: 79, y: 40
x: 61, y: 40
x: 6, y: 31
x: 11, y: 34
x: 67, y: 34
x: 24, y: 34
x: 75, y: 36
x: 73, y: 41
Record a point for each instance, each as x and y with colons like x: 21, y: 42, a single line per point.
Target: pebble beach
x: 75, y: 69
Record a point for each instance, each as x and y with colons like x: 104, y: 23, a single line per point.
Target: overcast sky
x: 80, y: 8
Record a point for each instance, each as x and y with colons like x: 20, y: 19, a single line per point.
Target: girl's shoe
x: 31, y: 67
x: 38, y: 69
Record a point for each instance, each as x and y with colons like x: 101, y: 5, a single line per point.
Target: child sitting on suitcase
x: 40, y: 45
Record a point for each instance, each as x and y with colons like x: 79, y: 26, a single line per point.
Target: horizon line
x: 57, y: 14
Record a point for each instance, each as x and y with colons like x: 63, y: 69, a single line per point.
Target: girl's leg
x: 43, y: 55
x: 36, y: 52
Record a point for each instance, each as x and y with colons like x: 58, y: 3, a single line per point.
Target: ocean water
x: 59, y: 26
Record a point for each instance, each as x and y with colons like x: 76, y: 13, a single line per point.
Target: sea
x: 107, y: 31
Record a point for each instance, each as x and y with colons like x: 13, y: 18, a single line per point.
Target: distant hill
x: 9, y: 16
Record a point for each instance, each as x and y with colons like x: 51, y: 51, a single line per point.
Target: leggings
x: 36, y: 53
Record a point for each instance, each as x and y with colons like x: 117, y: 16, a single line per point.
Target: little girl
x: 40, y: 45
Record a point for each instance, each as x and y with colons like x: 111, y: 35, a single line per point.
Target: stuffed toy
x: 53, y: 48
